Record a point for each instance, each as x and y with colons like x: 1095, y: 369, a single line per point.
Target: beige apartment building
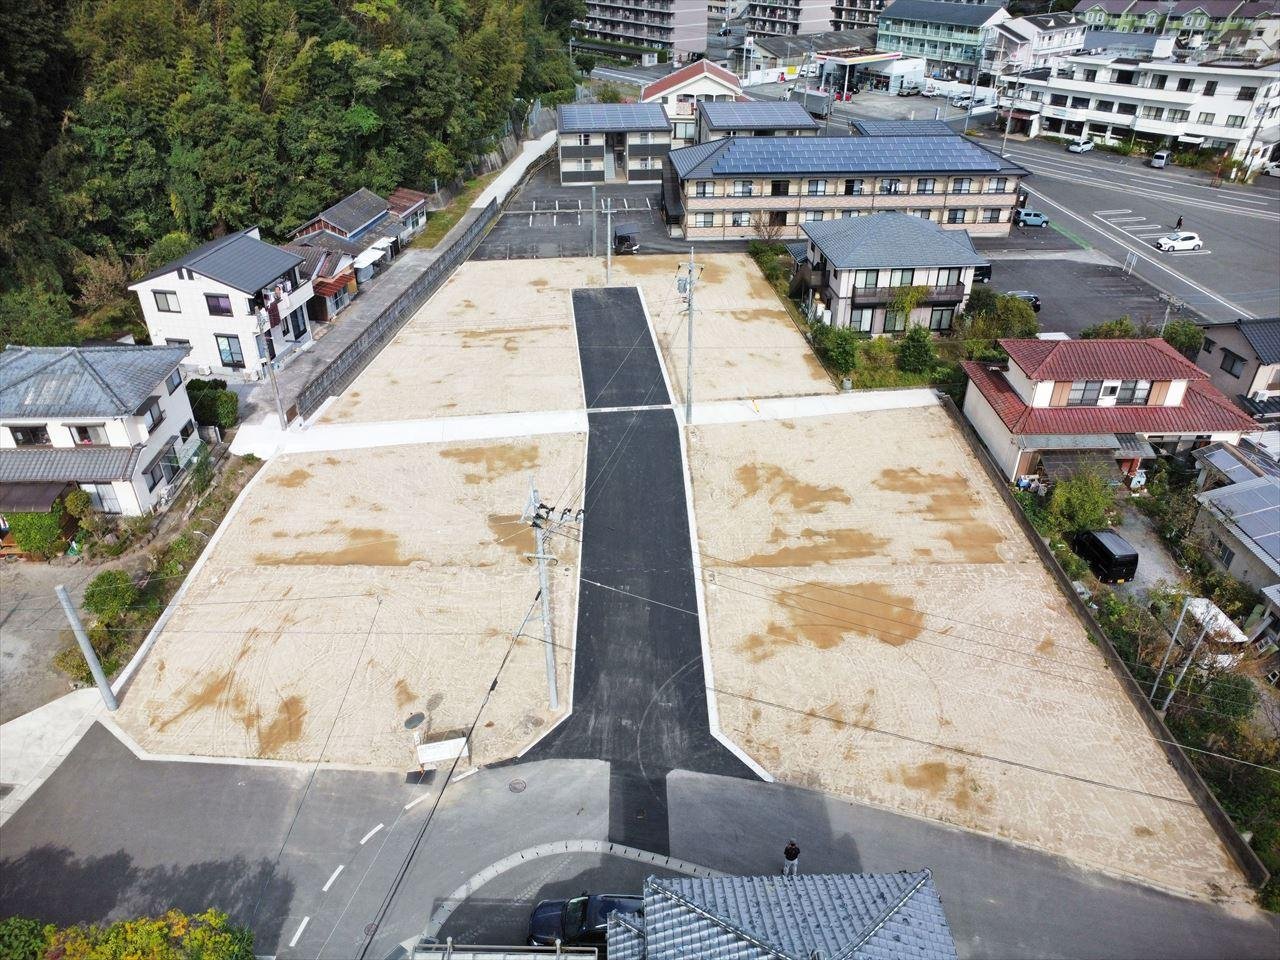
x: 612, y: 142
x: 745, y: 188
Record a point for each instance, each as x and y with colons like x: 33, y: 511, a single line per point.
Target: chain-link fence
x: 347, y: 365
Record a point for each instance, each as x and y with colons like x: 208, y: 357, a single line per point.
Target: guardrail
x: 1253, y: 868
x: 347, y: 365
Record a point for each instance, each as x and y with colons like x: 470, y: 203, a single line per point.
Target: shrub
x: 916, y: 353
x: 23, y: 939
x: 201, y: 469
x: 1184, y: 336
x: 1072, y: 565
x: 37, y: 533
x: 1081, y: 502
x: 78, y: 503
x: 1119, y: 329
x: 109, y: 595
x: 215, y: 408
x: 173, y: 936
x: 609, y: 94
x: 840, y: 348
x: 195, y: 385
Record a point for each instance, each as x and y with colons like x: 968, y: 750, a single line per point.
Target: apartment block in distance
x: 612, y: 142
x: 1184, y: 19
x: 856, y: 14
x: 952, y: 37
x: 788, y: 18
x: 677, y: 26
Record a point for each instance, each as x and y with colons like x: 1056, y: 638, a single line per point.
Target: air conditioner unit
x: 204, y: 370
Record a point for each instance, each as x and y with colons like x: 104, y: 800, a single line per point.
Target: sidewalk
x: 32, y: 745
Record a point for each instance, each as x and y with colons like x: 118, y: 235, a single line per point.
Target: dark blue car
x: 580, y: 922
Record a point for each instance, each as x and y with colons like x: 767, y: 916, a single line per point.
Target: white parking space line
x: 1191, y: 253
x: 532, y: 211
x: 298, y: 933
x: 368, y: 836
x: 332, y: 877
x: 1125, y: 219
x: 1104, y: 213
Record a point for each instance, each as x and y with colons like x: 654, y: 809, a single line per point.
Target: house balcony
x: 873, y: 296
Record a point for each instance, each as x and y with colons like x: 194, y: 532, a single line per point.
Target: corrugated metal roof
x: 1150, y: 359
x: 402, y: 200
x: 891, y: 240
x: 611, y: 117
x: 68, y: 464
x: 756, y: 115
x: 903, y: 128
x: 241, y: 261
x: 942, y: 11
x: 41, y: 382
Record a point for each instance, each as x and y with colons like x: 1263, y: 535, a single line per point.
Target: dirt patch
x: 803, y: 497
x: 404, y: 694
x: 497, y: 461
x: 293, y: 479
x: 931, y: 777
x: 824, y: 616
x: 284, y: 728
x: 365, y: 547
x: 512, y: 532
x: 950, y: 501
x: 818, y: 546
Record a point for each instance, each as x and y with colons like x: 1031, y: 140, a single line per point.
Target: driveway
x: 1155, y: 562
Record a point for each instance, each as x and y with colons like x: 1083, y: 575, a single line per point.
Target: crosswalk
x: 1141, y: 228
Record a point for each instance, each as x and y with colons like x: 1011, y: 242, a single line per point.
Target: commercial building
x: 612, y: 143
x: 950, y: 36
x: 1242, y: 359
x: 676, y: 26
x: 1056, y: 405
x: 113, y: 421
x: 769, y: 187
x: 1225, y: 106
x: 681, y: 91
x: 754, y: 118
x: 853, y: 271
x: 1187, y: 20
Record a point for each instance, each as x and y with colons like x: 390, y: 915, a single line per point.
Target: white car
x: 1080, y: 146
x: 961, y: 101
x: 1272, y: 169
x: 1180, y: 240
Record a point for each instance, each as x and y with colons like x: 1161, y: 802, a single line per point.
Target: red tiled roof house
x: 1123, y: 401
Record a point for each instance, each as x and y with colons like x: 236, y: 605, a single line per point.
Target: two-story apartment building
x: 113, y: 421
x: 1227, y: 106
x: 852, y: 270
x: 755, y: 118
x: 1116, y: 402
x: 236, y: 301
x: 677, y: 26
x: 612, y: 142
x: 1242, y: 359
x: 1184, y: 19
x: 769, y: 187
x: 951, y: 37
x: 1028, y: 43
x: 680, y: 92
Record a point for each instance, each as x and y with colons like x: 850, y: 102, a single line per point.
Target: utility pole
x: 1013, y: 103
x: 1164, y: 707
x: 534, y: 518
x: 977, y: 67
x: 91, y: 657
x: 264, y: 327
x: 1168, y: 650
x: 1169, y: 303
x: 688, y: 281
x: 593, y: 220
x: 608, y: 240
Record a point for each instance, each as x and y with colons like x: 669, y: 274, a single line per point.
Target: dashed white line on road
x: 365, y: 839
x: 413, y: 803
x: 298, y: 933
x: 532, y: 211
x: 332, y: 877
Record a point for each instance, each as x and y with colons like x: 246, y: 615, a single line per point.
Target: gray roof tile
x: 40, y: 382
x: 611, y: 117
x: 240, y: 261
x: 355, y: 210
x: 891, y: 240
x: 1264, y: 337
x: 756, y: 115
x: 903, y: 128
x: 69, y: 464
x: 942, y: 11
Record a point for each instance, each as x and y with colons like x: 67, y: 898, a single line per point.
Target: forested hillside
x: 130, y: 129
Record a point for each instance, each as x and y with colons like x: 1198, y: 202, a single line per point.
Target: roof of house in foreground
x: 82, y: 381
x: 239, y: 260
x: 800, y: 155
x: 852, y: 916
x: 1146, y: 359
x: 891, y: 240
x: 887, y: 127
x: 1250, y: 508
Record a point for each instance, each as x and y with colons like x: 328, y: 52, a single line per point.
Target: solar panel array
x: 611, y: 117
x: 757, y: 115
x: 803, y: 155
x: 1254, y: 507
x: 904, y: 128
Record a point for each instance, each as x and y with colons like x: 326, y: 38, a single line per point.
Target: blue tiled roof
x: 82, y: 381
x: 891, y: 240
x: 756, y: 115
x: 611, y: 117
x: 903, y: 128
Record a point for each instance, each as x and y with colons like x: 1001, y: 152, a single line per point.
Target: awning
x: 1068, y: 441
x: 1061, y: 464
x: 92, y: 464
x: 1187, y: 138
x: 29, y: 497
x: 383, y: 244
x: 368, y: 258
x: 1131, y: 446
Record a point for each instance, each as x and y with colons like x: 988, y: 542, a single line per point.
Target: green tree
x: 36, y: 316
x: 989, y: 316
x: 173, y: 936
x: 1185, y: 336
x: 608, y: 93
x: 586, y: 62
x: 110, y: 595
x: 916, y: 353
x: 840, y: 348
x: 1081, y: 502
x: 1119, y: 329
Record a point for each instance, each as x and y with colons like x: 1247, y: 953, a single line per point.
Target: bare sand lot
x: 881, y: 629
x: 352, y: 589
x: 745, y: 343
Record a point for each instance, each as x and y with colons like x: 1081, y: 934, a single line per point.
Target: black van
x: 1108, y: 554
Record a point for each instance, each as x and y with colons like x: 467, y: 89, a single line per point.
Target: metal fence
x: 347, y: 365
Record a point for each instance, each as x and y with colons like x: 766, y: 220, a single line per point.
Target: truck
x: 817, y: 102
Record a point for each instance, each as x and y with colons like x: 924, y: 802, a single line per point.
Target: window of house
x: 941, y: 318
x: 1105, y: 106
x: 704, y: 219
x: 584, y: 139
x: 860, y: 320
x: 1128, y: 109
x: 849, y: 214
x: 949, y: 277
x: 187, y: 430
x: 1246, y: 93
x: 742, y: 188
x: 218, y: 304
x: 1185, y: 84
x: 1084, y: 393
x: 1178, y: 116
x: 1133, y: 392
x: 812, y: 216
x: 1224, y: 553
x: 1210, y: 87
x: 1057, y: 100
x: 91, y: 435
x: 891, y: 185
x: 151, y: 413
x: 894, y: 322
x: 1232, y: 363
x: 991, y: 215
x: 1158, y: 81
x: 102, y: 496
x: 229, y: 351
x: 780, y: 188
x: 777, y: 218
x: 866, y: 279
x: 998, y: 185
x: 1080, y: 103
x: 1153, y: 113
x: 924, y: 213
x: 926, y: 185
x: 704, y: 188
x: 175, y: 380
x: 740, y: 218
x: 1206, y: 118
x: 1235, y: 120
x: 154, y: 474
x: 817, y: 188
x: 1090, y: 76
x: 1208, y: 345
x: 904, y: 277
x: 35, y: 436
x: 298, y: 320
x: 166, y: 301
x: 955, y: 216
x: 853, y: 188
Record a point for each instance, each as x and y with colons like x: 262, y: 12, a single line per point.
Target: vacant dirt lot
x: 745, y: 344
x: 881, y: 629
x: 353, y: 589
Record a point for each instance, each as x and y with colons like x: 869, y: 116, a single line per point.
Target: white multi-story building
x: 113, y: 421
x: 1222, y: 105
x: 237, y: 302
x: 677, y: 26
x: 1027, y: 43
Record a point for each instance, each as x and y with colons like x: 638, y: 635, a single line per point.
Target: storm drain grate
x: 517, y: 785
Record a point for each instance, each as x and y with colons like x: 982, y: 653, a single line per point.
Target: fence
x: 1254, y: 869
x: 347, y: 365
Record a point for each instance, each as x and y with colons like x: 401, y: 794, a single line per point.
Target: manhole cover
x: 369, y: 929
x: 517, y: 785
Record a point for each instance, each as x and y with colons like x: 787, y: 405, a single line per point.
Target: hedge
x: 215, y: 408
x: 37, y: 533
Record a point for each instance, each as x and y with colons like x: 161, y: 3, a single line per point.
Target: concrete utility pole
x: 608, y: 240
x: 593, y: 220
x: 90, y: 656
x: 689, y: 280
x: 1169, y: 303
x: 544, y: 589
x: 1013, y: 103
x: 1168, y: 650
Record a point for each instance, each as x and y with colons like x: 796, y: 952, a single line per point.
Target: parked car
x: 580, y: 921
x: 1272, y: 169
x: 1108, y: 554
x: 626, y: 238
x: 1179, y: 240
x: 1028, y: 296
x: 982, y: 274
x: 931, y: 91
x: 1030, y: 218
x: 909, y: 91
x: 1159, y: 159
x: 1080, y: 146
x: 961, y: 100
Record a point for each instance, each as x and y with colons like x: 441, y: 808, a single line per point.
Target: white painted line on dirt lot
x: 332, y: 877
x: 368, y: 836
x: 298, y: 933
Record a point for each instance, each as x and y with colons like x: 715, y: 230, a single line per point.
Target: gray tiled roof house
x: 942, y: 11
x: 891, y: 240
x: 903, y: 128
x: 354, y: 211
x: 240, y: 260
x: 894, y: 916
x: 52, y: 382
x: 1264, y: 336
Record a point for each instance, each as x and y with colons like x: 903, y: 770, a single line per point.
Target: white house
x: 236, y: 301
x: 113, y: 421
x: 680, y: 93
x: 1028, y: 43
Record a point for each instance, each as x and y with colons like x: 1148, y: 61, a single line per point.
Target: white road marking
x: 413, y: 803
x: 1103, y: 213
x: 1191, y: 253
x: 332, y: 877
x: 1160, y: 195
x: 532, y: 212
x: 298, y: 933
x: 366, y: 837
x: 1124, y: 219
x: 648, y: 203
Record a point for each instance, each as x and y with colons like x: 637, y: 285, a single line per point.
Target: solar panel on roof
x: 611, y: 117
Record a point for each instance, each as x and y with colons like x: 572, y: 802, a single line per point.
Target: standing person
x: 1178, y: 225
x: 791, y: 859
